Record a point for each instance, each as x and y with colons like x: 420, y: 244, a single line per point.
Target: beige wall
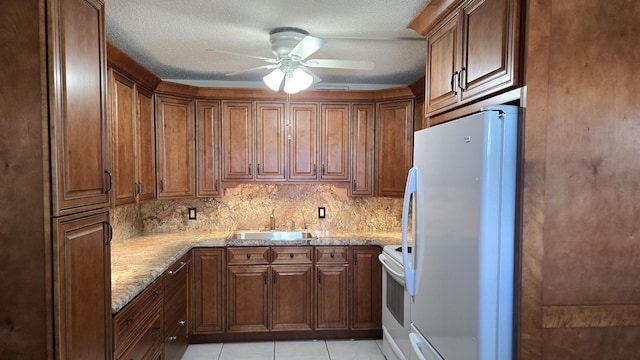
x: 247, y: 207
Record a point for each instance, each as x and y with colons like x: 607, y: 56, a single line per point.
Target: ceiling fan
x: 292, y: 47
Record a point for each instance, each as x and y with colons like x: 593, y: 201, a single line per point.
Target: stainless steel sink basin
x: 271, y: 235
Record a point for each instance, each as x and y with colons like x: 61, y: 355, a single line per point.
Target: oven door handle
x: 396, y: 274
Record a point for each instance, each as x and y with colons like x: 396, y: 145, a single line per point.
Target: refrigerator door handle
x: 415, y: 344
x: 409, y: 271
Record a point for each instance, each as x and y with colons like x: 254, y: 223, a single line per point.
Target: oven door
x: 396, y: 306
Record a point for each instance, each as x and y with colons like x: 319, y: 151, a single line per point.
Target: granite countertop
x: 138, y: 261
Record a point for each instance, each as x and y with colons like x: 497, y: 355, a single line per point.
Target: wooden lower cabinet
x: 366, y: 284
x: 208, y: 291
x: 138, y: 327
x: 248, y: 298
x: 176, y: 308
x: 332, y: 311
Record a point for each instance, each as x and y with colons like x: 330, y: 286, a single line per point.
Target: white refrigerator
x: 462, y: 196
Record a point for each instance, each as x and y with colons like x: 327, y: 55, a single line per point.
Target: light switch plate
x: 322, y: 212
x: 192, y: 213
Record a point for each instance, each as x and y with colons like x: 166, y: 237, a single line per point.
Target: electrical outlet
x: 322, y: 213
x: 192, y: 213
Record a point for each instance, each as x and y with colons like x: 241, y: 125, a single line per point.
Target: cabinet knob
x: 129, y: 321
x: 248, y: 256
x: 182, y: 322
x: 291, y: 255
x: 172, y: 338
x: 332, y: 255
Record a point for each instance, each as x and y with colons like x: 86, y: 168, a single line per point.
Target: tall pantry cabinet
x: 55, y: 181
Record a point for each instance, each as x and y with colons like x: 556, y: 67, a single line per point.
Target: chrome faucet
x: 272, y: 221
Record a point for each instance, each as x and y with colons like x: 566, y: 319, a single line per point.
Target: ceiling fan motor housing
x: 284, y: 39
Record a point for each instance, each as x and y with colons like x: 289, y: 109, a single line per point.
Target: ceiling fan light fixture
x: 274, y: 79
x: 302, y: 78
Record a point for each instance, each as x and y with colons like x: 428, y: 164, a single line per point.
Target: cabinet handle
x: 258, y: 169
x: 322, y: 169
x: 319, y: 278
x: 172, y: 338
x: 110, y: 181
x: 109, y: 232
x: 265, y: 277
x: 161, y: 186
x: 355, y: 260
x: 314, y: 170
x: 453, y: 76
x: 274, y: 276
x: 216, y: 185
x: 460, y: 79
x: 353, y: 185
x: 182, y: 322
x: 249, y: 168
x: 182, y: 264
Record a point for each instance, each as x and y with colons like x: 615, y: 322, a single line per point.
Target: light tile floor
x: 288, y: 350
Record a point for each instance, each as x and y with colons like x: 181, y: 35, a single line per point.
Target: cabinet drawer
x: 291, y: 255
x: 176, y: 278
x: 175, y: 310
x: 331, y: 255
x: 248, y: 255
x: 145, y: 346
x: 131, y: 320
x: 176, y: 341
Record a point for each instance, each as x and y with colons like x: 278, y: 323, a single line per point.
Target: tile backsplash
x: 248, y: 206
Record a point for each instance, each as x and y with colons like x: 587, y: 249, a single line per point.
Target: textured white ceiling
x: 171, y: 38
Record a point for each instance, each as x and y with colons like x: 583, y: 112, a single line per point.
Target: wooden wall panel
x: 592, y: 254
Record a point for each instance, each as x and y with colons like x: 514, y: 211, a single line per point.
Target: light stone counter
x: 136, y: 262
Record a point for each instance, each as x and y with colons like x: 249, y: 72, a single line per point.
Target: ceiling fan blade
x: 272, y: 66
x: 340, y: 64
x: 269, y: 60
x: 307, y: 46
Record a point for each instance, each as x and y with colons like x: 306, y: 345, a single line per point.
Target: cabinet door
x: 332, y: 310
x: 82, y: 296
x: 491, y: 35
x: 237, y: 141
x: 176, y: 147
x: 394, y: 144
x: 208, y: 144
x: 80, y: 179
x: 248, y: 298
x: 303, y: 142
x: 146, y: 151
x: 208, y: 291
x: 444, y: 45
x: 270, y: 142
x: 291, y: 308
x: 366, y: 306
x: 363, y: 150
x: 123, y: 125
x: 335, y: 142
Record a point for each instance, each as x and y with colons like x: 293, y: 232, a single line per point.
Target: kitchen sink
x: 271, y: 235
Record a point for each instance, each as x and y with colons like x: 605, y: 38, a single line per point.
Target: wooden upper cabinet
x: 146, y: 144
x: 237, y: 141
x: 175, y: 146
x: 270, y: 141
x: 335, y: 138
x: 124, y: 132
x: 208, y: 145
x: 303, y: 142
x: 443, y: 63
x: 394, y: 146
x: 362, y: 154
x: 132, y: 127
x: 472, y: 53
x: 77, y: 101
